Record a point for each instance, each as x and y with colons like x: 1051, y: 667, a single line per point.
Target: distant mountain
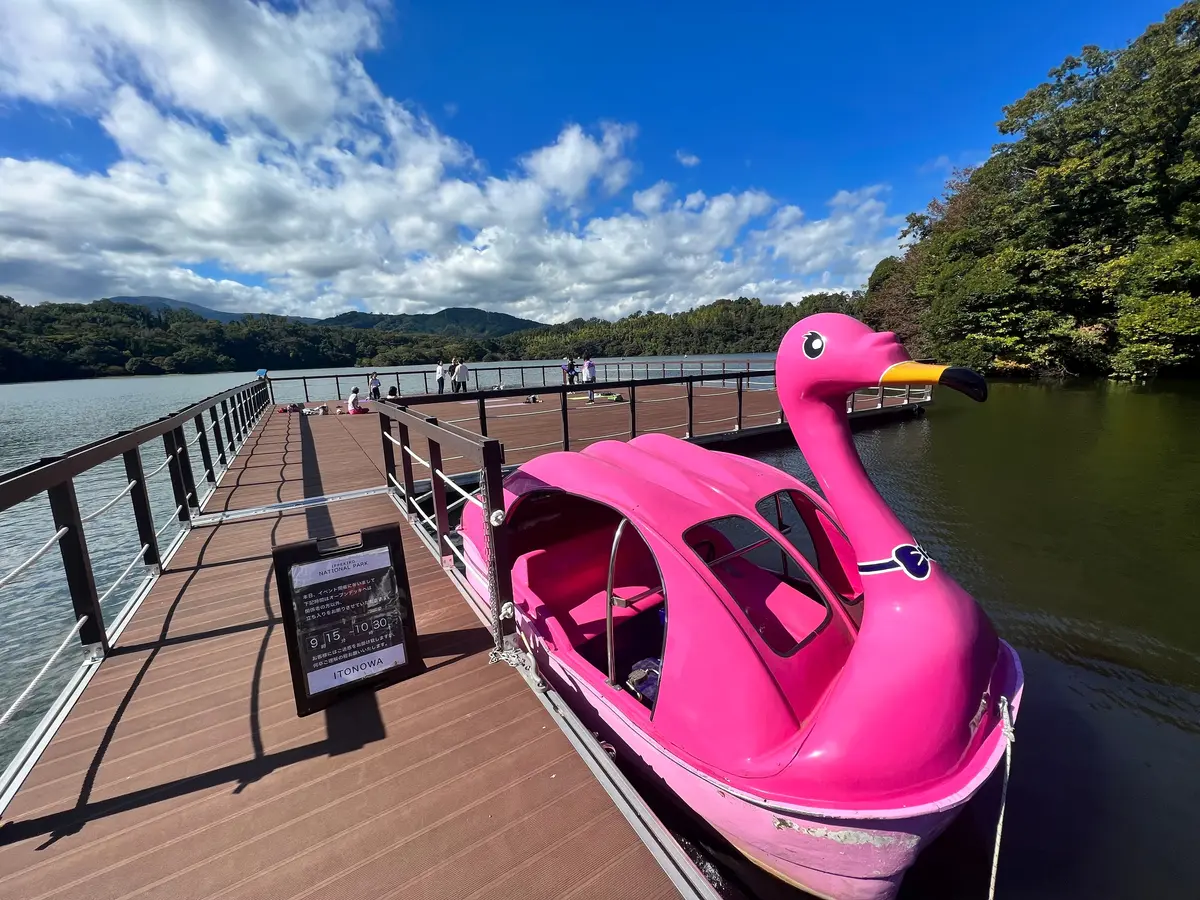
x: 158, y: 304
x: 453, y: 322
x: 458, y: 321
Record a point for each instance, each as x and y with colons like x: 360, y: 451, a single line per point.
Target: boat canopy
x: 750, y: 624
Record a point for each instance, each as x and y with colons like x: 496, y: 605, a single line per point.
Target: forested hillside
x: 74, y: 340
x: 1076, y: 247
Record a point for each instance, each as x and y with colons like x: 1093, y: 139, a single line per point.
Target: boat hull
x: 833, y: 856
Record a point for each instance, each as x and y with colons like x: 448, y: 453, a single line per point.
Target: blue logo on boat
x: 914, y: 560
x: 910, y: 557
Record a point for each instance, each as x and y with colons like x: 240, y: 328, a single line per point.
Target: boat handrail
x: 642, y: 595
x: 741, y: 551
x: 608, y: 601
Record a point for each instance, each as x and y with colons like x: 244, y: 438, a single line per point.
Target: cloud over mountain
x: 249, y: 141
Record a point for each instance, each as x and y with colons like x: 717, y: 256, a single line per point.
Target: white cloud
x: 687, y: 159
x: 253, y: 138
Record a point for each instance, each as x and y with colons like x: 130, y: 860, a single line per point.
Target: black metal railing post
x: 632, y: 411
x: 738, y: 425
x: 205, y: 454
x: 216, y: 433
x: 178, y: 486
x: 441, y: 515
x: 64, y: 506
x: 239, y: 423
x: 493, y: 491
x: 305, y: 380
x: 228, y: 429
x: 566, y: 435
x: 424, y: 378
x: 482, y: 417
x: 690, y: 408
x: 142, y: 514
x: 337, y: 386
x: 389, y: 452
x: 185, y: 468
x: 406, y: 468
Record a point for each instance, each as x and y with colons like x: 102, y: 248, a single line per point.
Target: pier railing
x: 311, y: 388
x: 197, y: 445
x: 398, y: 425
x: 738, y: 419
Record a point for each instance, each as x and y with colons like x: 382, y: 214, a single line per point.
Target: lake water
x: 1070, y: 511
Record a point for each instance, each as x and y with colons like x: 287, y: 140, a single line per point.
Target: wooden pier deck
x: 183, y: 771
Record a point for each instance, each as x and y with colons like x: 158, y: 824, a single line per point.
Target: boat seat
x: 589, y: 619
x: 569, y: 580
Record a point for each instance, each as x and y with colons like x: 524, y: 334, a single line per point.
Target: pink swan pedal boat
x: 796, y: 669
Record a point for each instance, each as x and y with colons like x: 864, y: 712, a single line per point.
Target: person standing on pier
x: 460, y: 376
x: 589, y: 378
x: 374, y: 385
x: 440, y: 375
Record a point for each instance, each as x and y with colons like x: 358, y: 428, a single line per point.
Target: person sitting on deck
x: 352, y: 407
x: 393, y: 393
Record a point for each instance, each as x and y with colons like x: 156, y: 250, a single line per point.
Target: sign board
x: 347, y: 616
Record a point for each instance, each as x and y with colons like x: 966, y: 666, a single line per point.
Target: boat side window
x: 763, y: 579
x: 809, y: 530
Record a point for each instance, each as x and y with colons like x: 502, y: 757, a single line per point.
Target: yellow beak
x: 966, y: 381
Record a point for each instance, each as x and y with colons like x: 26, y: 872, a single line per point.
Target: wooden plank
x: 184, y: 772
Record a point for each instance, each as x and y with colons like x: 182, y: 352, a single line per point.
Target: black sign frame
x: 289, y: 555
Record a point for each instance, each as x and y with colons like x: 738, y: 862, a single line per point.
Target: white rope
x: 663, y: 399
x: 537, y: 446
x: 456, y: 504
x: 602, y: 437
x: 395, y: 482
x: 164, y: 463
x: 446, y: 478
x: 199, y: 434
x: 715, y: 421
x: 171, y: 522
x: 428, y: 519
x: 467, y: 564
x: 409, y: 451
x: 392, y: 439
x: 8, y: 714
x: 1010, y: 738
x: 129, y: 568
x: 540, y: 412
x: 38, y: 554
x: 667, y: 428
x: 773, y: 412
x: 105, y: 508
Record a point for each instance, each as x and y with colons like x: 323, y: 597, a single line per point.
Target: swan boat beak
x: 965, y: 381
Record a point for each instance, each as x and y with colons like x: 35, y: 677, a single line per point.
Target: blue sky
x: 546, y: 159
x: 796, y: 98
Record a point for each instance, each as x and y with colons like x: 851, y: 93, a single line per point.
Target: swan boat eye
x: 814, y: 344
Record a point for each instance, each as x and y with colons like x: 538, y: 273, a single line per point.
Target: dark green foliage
x: 1076, y: 246
x: 454, y: 322
x: 54, y: 341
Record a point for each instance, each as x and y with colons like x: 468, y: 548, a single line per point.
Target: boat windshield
x: 767, y: 584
